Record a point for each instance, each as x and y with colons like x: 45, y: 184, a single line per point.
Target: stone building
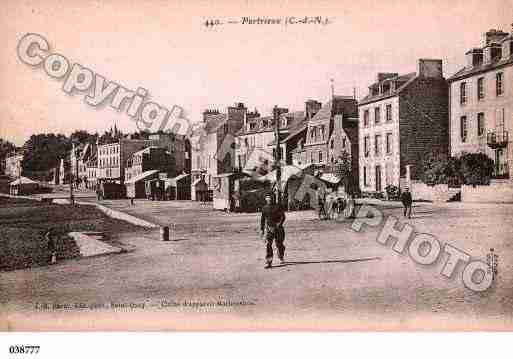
x: 331, y: 131
x: 112, y: 158
x: 260, y: 133
x: 13, y: 164
x: 403, y: 118
x: 179, y: 148
x: 481, y: 99
x: 151, y: 158
x: 213, y: 143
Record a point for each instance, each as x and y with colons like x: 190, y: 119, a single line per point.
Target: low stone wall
x: 499, y: 192
x: 437, y: 193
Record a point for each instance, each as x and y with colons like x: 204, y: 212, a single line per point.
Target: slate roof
x: 405, y: 80
x: 494, y: 65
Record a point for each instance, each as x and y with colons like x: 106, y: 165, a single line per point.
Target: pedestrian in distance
x: 51, y: 245
x: 271, y: 227
x: 321, y: 202
x: 407, y: 201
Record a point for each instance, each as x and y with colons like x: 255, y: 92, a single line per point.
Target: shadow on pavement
x: 327, y: 261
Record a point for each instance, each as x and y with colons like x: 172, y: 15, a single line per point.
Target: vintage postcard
x: 244, y: 165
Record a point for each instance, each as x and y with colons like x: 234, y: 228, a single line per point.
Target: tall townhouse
x: 403, y: 118
x: 481, y: 102
x: 213, y: 144
x: 330, y: 132
x: 259, y: 133
x: 112, y: 158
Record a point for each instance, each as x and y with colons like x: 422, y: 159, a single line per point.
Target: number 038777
x: 24, y: 349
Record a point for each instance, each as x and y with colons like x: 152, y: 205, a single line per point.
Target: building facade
x: 112, y: 158
x: 481, y: 98
x: 178, y: 147
x: 13, y: 165
x: 330, y: 132
x: 213, y: 143
x: 401, y: 120
x: 259, y: 133
x: 151, y: 158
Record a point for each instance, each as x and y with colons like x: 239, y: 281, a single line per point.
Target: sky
x: 164, y: 47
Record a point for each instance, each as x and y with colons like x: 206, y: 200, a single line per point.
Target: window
x: 499, y: 120
x: 322, y: 131
x: 344, y: 142
x: 377, y: 115
x: 463, y: 92
x: 332, y: 143
x: 377, y: 145
x: 480, y: 88
x: 463, y: 128
x: 389, y: 143
x: 312, y: 157
x: 366, y: 146
x: 389, y: 113
x: 366, y: 118
x: 320, y: 156
x: 480, y: 124
x: 365, y: 176
x: 498, y: 84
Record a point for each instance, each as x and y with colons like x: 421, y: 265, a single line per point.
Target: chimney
x: 493, y: 36
x: 474, y: 57
x: 491, y: 53
x: 430, y: 68
x: 386, y: 75
x: 207, y: 113
x: 507, y: 47
x: 311, y: 108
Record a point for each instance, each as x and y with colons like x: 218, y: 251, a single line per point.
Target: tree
x: 469, y: 168
x: 42, y: 152
x: 476, y: 168
x: 81, y: 136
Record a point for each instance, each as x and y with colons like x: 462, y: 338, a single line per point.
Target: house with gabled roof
x: 332, y: 131
x: 213, y: 143
x: 402, y: 119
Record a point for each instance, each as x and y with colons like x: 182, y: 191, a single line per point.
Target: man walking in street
x: 271, y: 226
x: 407, y: 200
x: 321, y: 202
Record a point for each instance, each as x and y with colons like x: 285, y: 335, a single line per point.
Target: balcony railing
x: 497, y: 139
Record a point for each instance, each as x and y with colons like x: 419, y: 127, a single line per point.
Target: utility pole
x: 276, y: 116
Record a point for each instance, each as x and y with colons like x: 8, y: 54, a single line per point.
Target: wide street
x: 334, y: 278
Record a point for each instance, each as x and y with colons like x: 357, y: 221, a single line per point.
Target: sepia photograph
x: 255, y: 166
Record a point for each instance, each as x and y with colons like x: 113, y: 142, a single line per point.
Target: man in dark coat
x: 407, y: 201
x: 271, y: 226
